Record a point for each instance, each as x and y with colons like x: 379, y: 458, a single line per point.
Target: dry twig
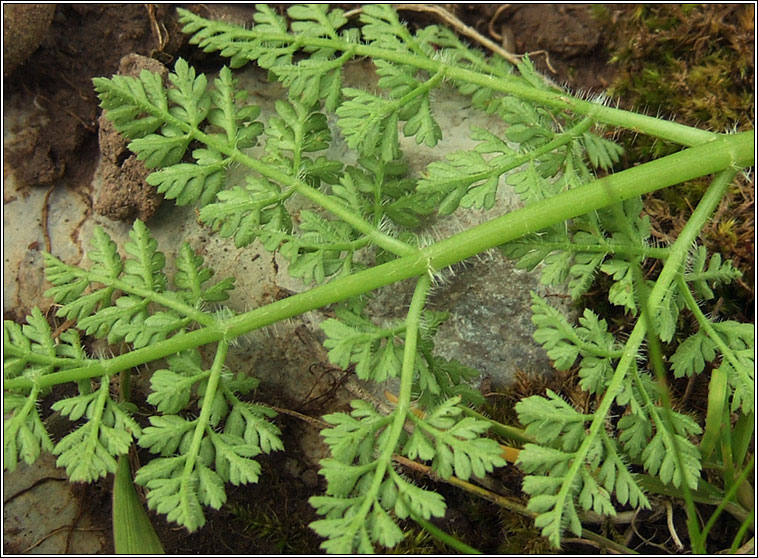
x: 670, y: 524
x: 461, y: 27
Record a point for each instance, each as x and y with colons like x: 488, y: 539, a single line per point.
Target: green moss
x: 520, y: 536
x: 419, y: 542
x: 693, y: 63
x: 269, y: 532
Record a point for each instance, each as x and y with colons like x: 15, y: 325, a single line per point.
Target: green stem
x: 671, y: 269
x: 726, y: 152
x: 741, y: 532
x: 666, y: 416
x: 728, y: 497
x: 716, y: 417
x: 413, y: 320
x: 511, y: 85
x: 404, y: 397
x: 442, y: 536
x: 706, y: 326
x: 97, y: 416
x: 664, y: 129
x: 706, y: 493
x: 503, y: 430
x: 47, y: 360
x: 205, y: 412
x: 132, y: 531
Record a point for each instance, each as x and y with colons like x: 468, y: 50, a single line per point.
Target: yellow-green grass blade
x: 132, y: 531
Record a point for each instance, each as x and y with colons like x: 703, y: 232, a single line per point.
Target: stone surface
x: 45, y: 514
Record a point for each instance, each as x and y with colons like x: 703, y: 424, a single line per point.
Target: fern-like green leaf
x: 659, y: 458
x: 172, y: 492
x: 740, y: 366
x: 603, y: 154
x: 323, y: 248
x: 369, y: 124
x: 551, y: 418
x: 91, y: 451
x: 564, y: 343
x: 382, y: 28
x: 692, y: 354
x: 411, y: 498
x: 136, y: 106
x: 24, y: 433
x: 69, y: 283
x: 372, y: 349
x: 703, y: 278
x: 171, y: 392
x: 296, y: 130
x: 459, y: 446
x: 187, y: 183
x: 351, y: 436
x: 217, y: 454
x: 191, y: 277
x: 616, y: 478
x: 249, y: 213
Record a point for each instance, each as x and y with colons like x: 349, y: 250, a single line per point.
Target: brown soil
x: 123, y: 193
x: 564, y: 41
x: 84, y: 41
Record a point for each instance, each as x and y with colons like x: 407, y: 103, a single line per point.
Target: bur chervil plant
x: 360, y: 235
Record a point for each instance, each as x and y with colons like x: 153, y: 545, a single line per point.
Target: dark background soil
x: 59, y: 148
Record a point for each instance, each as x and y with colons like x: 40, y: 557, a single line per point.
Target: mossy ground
x: 693, y: 63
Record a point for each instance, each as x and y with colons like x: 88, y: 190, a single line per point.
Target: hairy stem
x: 406, y: 374
x: 511, y: 85
x: 205, y: 411
x: 723, y: 153
x: 404, y: 398
x: 670, y: 270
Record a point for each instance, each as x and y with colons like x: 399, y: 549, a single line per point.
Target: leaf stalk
x: 728, y: 152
